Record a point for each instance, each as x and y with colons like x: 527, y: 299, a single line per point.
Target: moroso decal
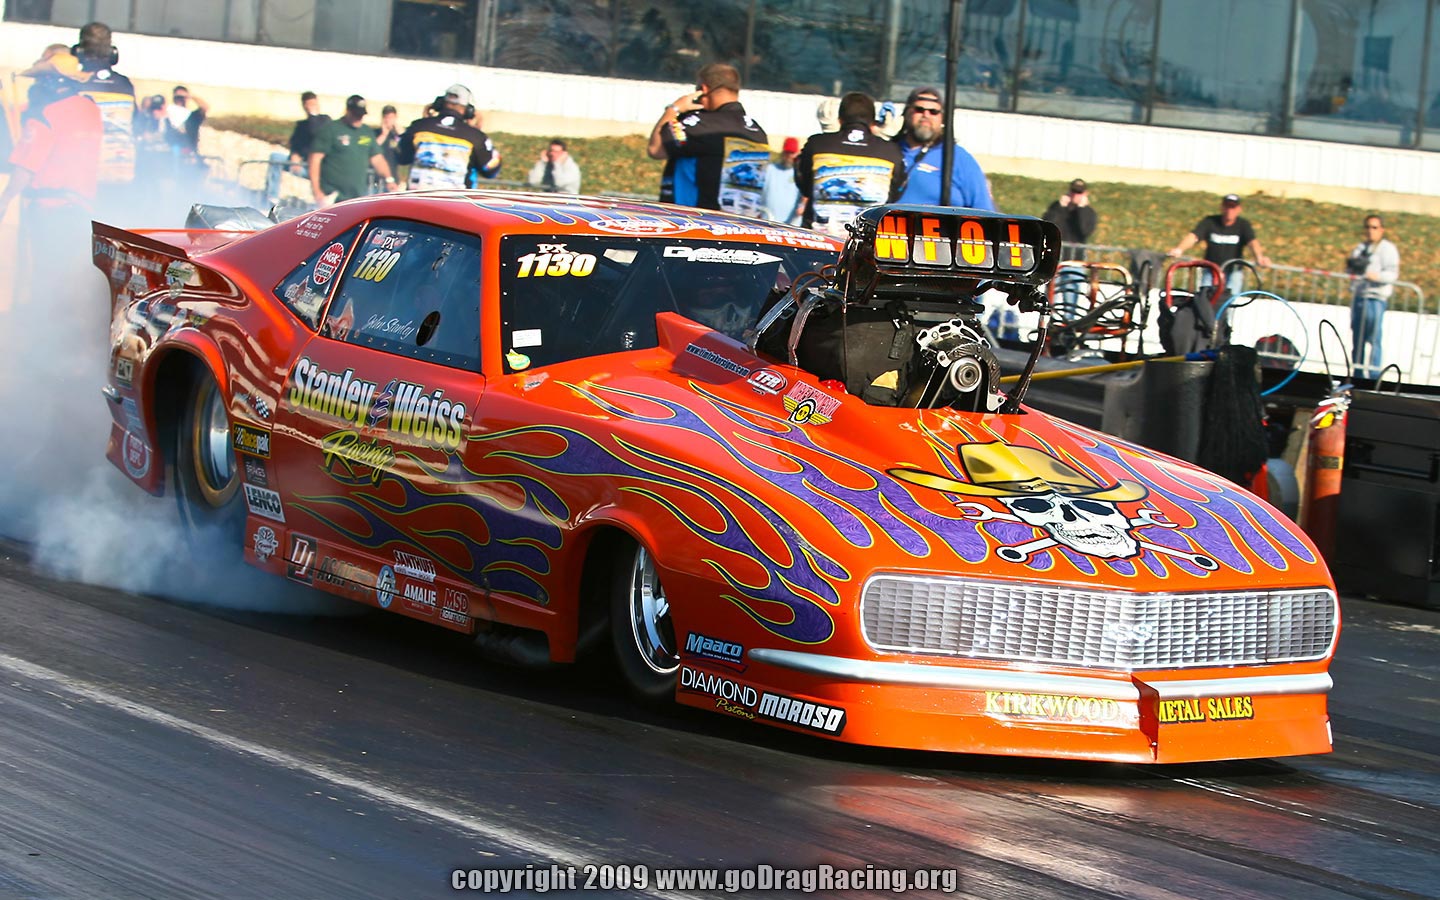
x: 805, y: 714
x: 1208, y: 709
x: 1051, y: 706
x: 401, y: 408
x: 253, y: 441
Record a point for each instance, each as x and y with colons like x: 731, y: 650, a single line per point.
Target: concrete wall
x: 266, y: 81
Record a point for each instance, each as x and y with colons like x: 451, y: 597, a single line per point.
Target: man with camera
x: 716, y: 155
x: 1374, y: 267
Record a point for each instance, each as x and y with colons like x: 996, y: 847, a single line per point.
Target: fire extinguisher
x: 1324, y: 465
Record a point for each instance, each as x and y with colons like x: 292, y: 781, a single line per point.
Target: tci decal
x: 1209, y: 709
x: 401, y: 408
x: 253, y: 441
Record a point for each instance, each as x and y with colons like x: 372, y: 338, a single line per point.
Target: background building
x: 1329, y: 98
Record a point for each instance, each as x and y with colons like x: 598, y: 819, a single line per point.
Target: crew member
x: 115, y: 96
x: 441, y: 149
x: 715, y: 154
x: 54, y: 166
x: 342, y: 155
x: 843, y: 172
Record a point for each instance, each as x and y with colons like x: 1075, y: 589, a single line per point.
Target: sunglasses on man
x: 928, y: 110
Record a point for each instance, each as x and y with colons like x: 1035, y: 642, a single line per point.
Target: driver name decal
x: 401, y: 408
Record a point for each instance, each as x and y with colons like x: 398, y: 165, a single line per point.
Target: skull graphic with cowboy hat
x: 1040, y: 490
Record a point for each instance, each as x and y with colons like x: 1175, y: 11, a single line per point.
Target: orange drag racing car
x: 779, y: 477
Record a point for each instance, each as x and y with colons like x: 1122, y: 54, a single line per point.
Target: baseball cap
x: 1230, y: 200
x: 459, y: 93
x: 792, y: 145
x: 1078, y: 186
x: 929, y: 93
x: 355, y: 102
x: 57, y: 60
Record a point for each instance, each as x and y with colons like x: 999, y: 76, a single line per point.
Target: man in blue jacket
x: 920, y: 144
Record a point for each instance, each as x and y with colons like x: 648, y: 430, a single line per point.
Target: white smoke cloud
x: 82, y: 517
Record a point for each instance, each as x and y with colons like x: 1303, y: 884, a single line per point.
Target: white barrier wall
x: 266, y: 81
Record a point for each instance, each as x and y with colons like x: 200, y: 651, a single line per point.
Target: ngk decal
x: 328, y: 264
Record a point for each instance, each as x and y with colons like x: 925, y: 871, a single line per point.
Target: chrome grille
x: 1101, y: 629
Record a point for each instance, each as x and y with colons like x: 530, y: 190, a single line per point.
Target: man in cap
x: 115, y: 96
x: 443, y: 148
x: 1076, y: 219
x: 715, y: 154
x: 924, y: 155
x: 343, y: 153
x: 841, y: 173
x: 55, y: 163
x: 782, y: 195
x: 1226, y: 235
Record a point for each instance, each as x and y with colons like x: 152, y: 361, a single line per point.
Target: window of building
x: 412, y: 290
x: 310, y: 284
x: 433, y: 29
x: 1222, y: 66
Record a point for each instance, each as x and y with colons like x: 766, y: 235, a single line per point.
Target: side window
x: 309, y: 284
x: 413, y: 290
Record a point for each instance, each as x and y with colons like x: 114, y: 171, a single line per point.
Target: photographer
x: 1374, y: 267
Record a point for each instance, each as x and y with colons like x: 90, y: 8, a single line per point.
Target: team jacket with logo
x: 716, y: 159
x: 441, y: 150
x: 845, y: 171
x: 115, y: 96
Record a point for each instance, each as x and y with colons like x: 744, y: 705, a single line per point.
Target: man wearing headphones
x: 442, y: 149
x: 115, y: 96
x: 342, y: 155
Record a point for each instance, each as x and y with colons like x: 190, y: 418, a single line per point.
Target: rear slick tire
x: 640, y: 627
x: 207, y: 480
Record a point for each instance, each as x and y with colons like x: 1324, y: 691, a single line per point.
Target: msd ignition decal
x: 714, y: 648
x: 251, y: 441
x: 401, y: 409
x: 264, y: 502
x: 456, y: 607
x: 328, y: 264
x: 265, y: 543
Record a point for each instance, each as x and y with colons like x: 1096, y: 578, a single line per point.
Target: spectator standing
x: 1374, y: 267
x: 715, y: 153
x: 54, y: 166
x: 115, y: 96
x: 840, y: 174
x: 924, y: 156
x: 182, y: 124
x: 388, y: 137
x: 302, y: 138
x: 342, y: 155
x: 1226, y: 235
x: 441, y: 149
x: 556, y: 170
x: 1076, y: 219
x: 782, y: 194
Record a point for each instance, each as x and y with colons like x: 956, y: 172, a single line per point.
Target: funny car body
x: 778, y: 479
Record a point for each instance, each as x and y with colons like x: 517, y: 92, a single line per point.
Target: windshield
x: 572, y: 296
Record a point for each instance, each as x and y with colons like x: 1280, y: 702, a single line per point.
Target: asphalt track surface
x: 155, y: 749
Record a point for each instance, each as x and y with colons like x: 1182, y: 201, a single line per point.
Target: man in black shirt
x: 115, y: 96
x: 840, y: 173
x: 715, y: 155
x: 1226, y: 235
x: 302, y: 139
x: 1076, y: 219
x: 442, y: 149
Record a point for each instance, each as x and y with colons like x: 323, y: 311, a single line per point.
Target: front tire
x: 207, y: 480
x: 641, y: 628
